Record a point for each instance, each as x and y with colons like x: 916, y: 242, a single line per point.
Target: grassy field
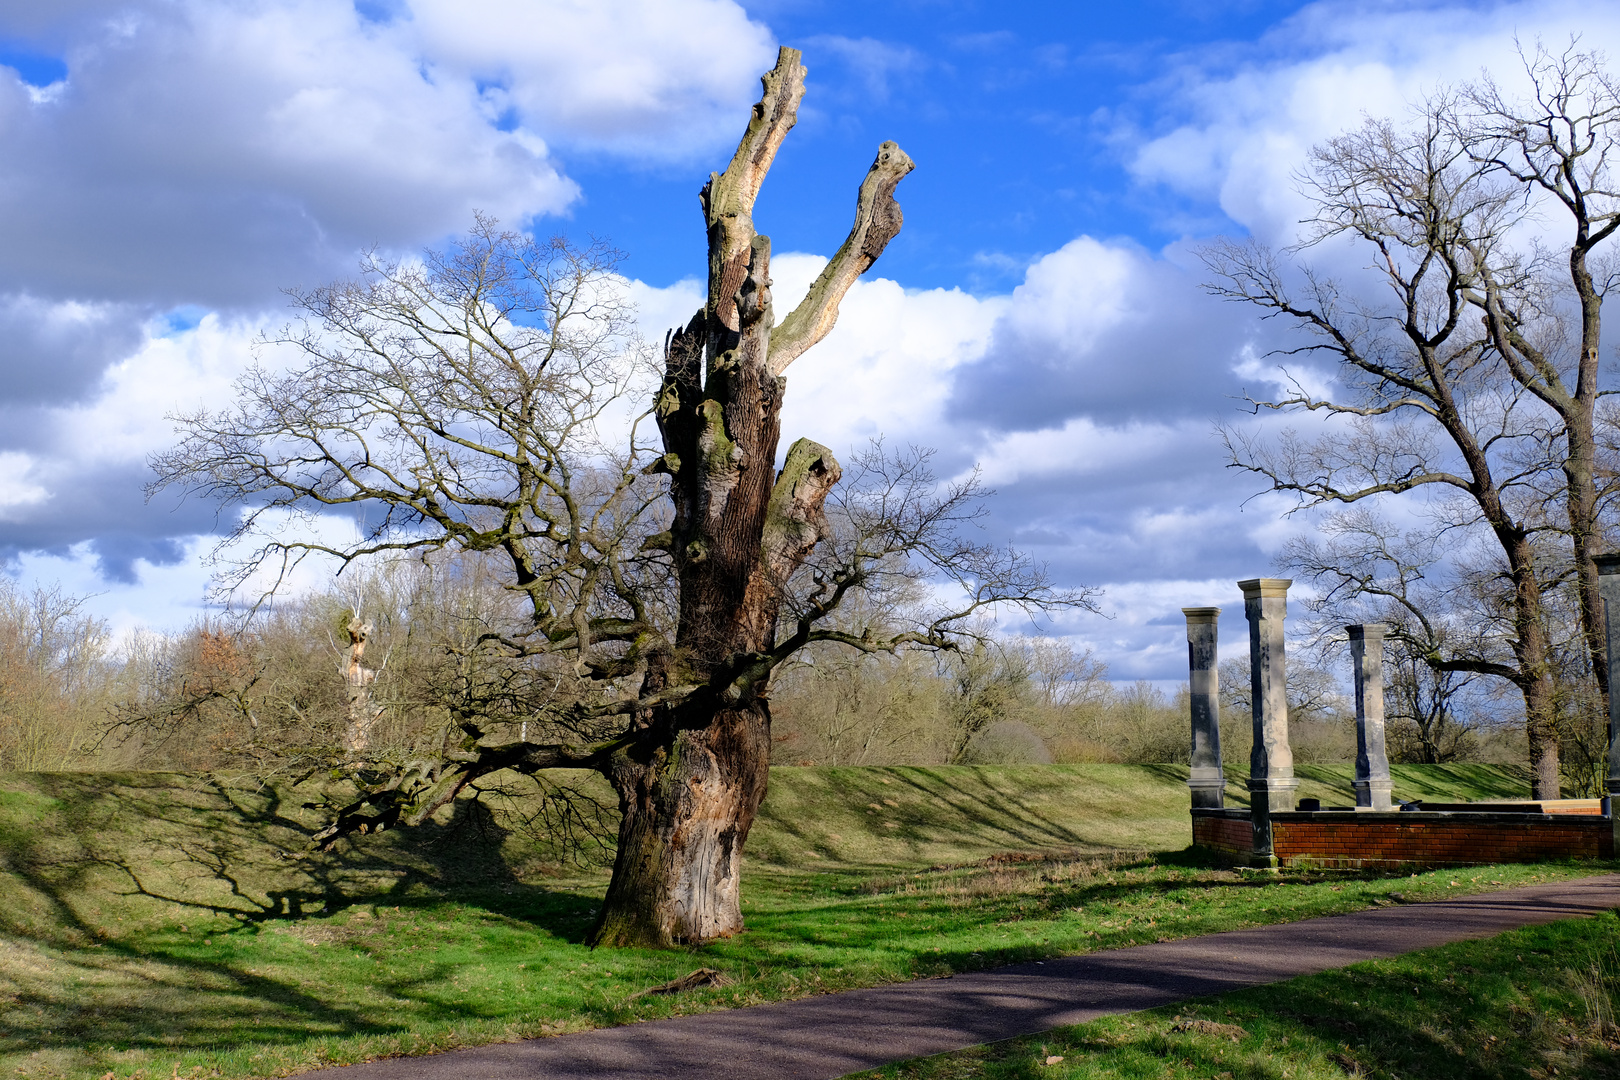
x: 157, y: 925
x: 1536, y: 1003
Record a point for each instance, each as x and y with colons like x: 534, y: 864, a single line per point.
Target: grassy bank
x: 161, y: 923
x: 1537, y: 1003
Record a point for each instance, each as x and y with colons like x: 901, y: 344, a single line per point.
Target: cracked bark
x: 689, y: 788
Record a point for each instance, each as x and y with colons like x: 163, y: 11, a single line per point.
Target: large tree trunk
x: 690, y: 786
x: 1580, y: 463
x: 1533, y: 653
x: 687, y: 811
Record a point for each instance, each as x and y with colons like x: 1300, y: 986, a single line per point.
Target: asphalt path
x: 819, y: 1038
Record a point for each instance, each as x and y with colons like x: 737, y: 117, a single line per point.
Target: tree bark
x: 363, y: 715
x: 689, y: 789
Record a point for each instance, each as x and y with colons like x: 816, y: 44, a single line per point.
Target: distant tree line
x: 275, y: 696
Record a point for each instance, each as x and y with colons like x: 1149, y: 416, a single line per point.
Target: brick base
x: 1352, y: 840
x: 1229, y: 832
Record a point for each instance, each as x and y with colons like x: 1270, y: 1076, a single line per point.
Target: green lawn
x: 159, y: 923
x: 1535, y: 1003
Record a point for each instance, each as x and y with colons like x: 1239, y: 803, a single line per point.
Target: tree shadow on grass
x: 966, y: 899
x: 919, y: 814
x: 98, y: 885
x: 203, y: 845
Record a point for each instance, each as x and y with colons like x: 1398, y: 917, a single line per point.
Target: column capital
x: 1201, y: 614
x: 1372, y: 631
x: 1265, y: 587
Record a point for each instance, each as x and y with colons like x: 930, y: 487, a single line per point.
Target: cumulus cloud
x: 210, y: 153
x: 1087, y: 398
x: 1241, y: 122
x: 55, y: 351
x: 1108, y: 331
x: 79, y: 483
x: 207, y: 153
x: 886, y: 367
x: 652, y: 78
x: 189, y: 157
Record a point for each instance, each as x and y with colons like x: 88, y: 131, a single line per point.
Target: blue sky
x: 1012, y: 111
x: 167, y: 167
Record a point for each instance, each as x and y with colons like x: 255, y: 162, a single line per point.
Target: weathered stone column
x: 1608, y: 567
x: 1207, y: 782
x: 1372, y: 760
x: 1271, y: 763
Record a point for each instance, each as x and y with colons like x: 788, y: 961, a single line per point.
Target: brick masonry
x: 1349, y: 840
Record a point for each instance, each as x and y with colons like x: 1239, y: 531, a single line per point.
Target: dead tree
x: 654, y: 590
x: 363, y: 713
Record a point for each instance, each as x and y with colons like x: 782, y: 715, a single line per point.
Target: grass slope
x: 923, y: 816
x: 156, y: 924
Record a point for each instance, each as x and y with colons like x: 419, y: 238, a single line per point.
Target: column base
x: 1374, y: 795
x: 1273, y: 794
x: 1268, y: 795
x: 1208, y: 788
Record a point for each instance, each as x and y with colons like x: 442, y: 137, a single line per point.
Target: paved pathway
x: 822, y: 1037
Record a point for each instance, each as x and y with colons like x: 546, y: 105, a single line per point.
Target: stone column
x: 1271, y: 763
x: 1207, y: 782
x: 1608, y: 567
x: 1372, y: 761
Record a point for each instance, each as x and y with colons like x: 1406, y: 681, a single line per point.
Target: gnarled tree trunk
x: 690, y: 786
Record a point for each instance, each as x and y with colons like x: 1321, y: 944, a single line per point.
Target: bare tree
x: 1428, y: 404
x: 1558, y: 142
x: 1448, y: 197
x: 467, y: 403
x: 1368, y: 571
x: 992, y: 685
x: 54, y: 664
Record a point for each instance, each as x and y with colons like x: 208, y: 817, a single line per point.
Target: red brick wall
x: 1233, y: 835
x: 1439, y: 841
x: 1348, y: 839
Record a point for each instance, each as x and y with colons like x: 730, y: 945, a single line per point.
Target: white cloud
x: 165, y: 597
x: 886, y: 368
x: 16, y: 487
x: 656, y: 78
x: 873, y: 64
x: 199, y: 156
x: 210, y: 152
x: 1248, y: 127
x: 171, y: 373
x: 207, y: 153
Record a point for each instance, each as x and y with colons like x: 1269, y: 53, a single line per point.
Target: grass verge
x: 1536, y: 1003
x: 160, y: 925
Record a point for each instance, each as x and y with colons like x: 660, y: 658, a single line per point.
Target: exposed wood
x: 363, y: 714
x: 877, y: 221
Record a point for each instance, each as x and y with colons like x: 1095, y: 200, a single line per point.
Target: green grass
x: 1536, y: 1003
x: 156, y: 924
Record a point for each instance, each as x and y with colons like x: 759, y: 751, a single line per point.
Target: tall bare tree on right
x: 1469, y: 366
x: 1558, y: 141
